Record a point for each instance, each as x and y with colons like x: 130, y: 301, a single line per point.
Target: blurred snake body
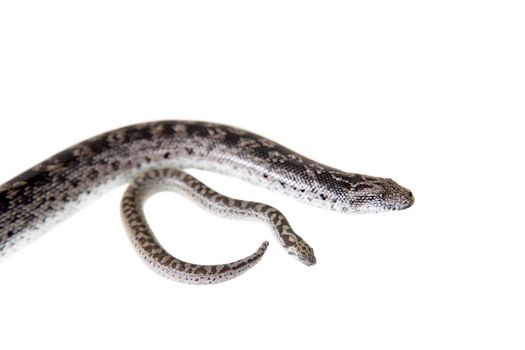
x: 152, y: 156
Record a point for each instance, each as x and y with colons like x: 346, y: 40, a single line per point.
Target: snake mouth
x: 310, y: 261
x: 307, y: 257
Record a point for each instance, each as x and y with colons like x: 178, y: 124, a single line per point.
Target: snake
x: 152, y: 157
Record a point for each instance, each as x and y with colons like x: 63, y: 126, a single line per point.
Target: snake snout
x: 303, y: 252
x: 309, y: 259
x: 397, y: 196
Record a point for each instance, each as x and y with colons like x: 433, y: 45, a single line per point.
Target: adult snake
x: 151, y: 156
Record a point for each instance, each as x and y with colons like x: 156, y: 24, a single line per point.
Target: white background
x: 427, y: 93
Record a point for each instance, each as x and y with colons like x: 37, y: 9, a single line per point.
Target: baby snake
x: 151, y: 156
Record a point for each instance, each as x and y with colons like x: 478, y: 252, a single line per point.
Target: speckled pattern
x: 35, y: 200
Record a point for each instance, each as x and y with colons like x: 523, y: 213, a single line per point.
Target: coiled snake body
x: 151, y: 157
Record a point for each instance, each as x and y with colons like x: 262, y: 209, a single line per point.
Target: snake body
x: 151, y: 157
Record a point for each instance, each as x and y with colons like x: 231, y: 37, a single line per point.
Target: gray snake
x: 151, y: 157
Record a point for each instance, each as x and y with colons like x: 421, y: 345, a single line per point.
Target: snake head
x: 394, y: 196
x: 302, y: 252
x: 355, y: 193
x: 376, y: 195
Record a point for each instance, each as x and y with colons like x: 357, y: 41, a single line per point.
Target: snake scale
x: 151, y: 157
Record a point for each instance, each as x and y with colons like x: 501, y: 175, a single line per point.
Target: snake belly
x: 151, y: 156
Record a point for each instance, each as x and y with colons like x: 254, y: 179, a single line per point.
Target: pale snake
x: 151, y: 157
